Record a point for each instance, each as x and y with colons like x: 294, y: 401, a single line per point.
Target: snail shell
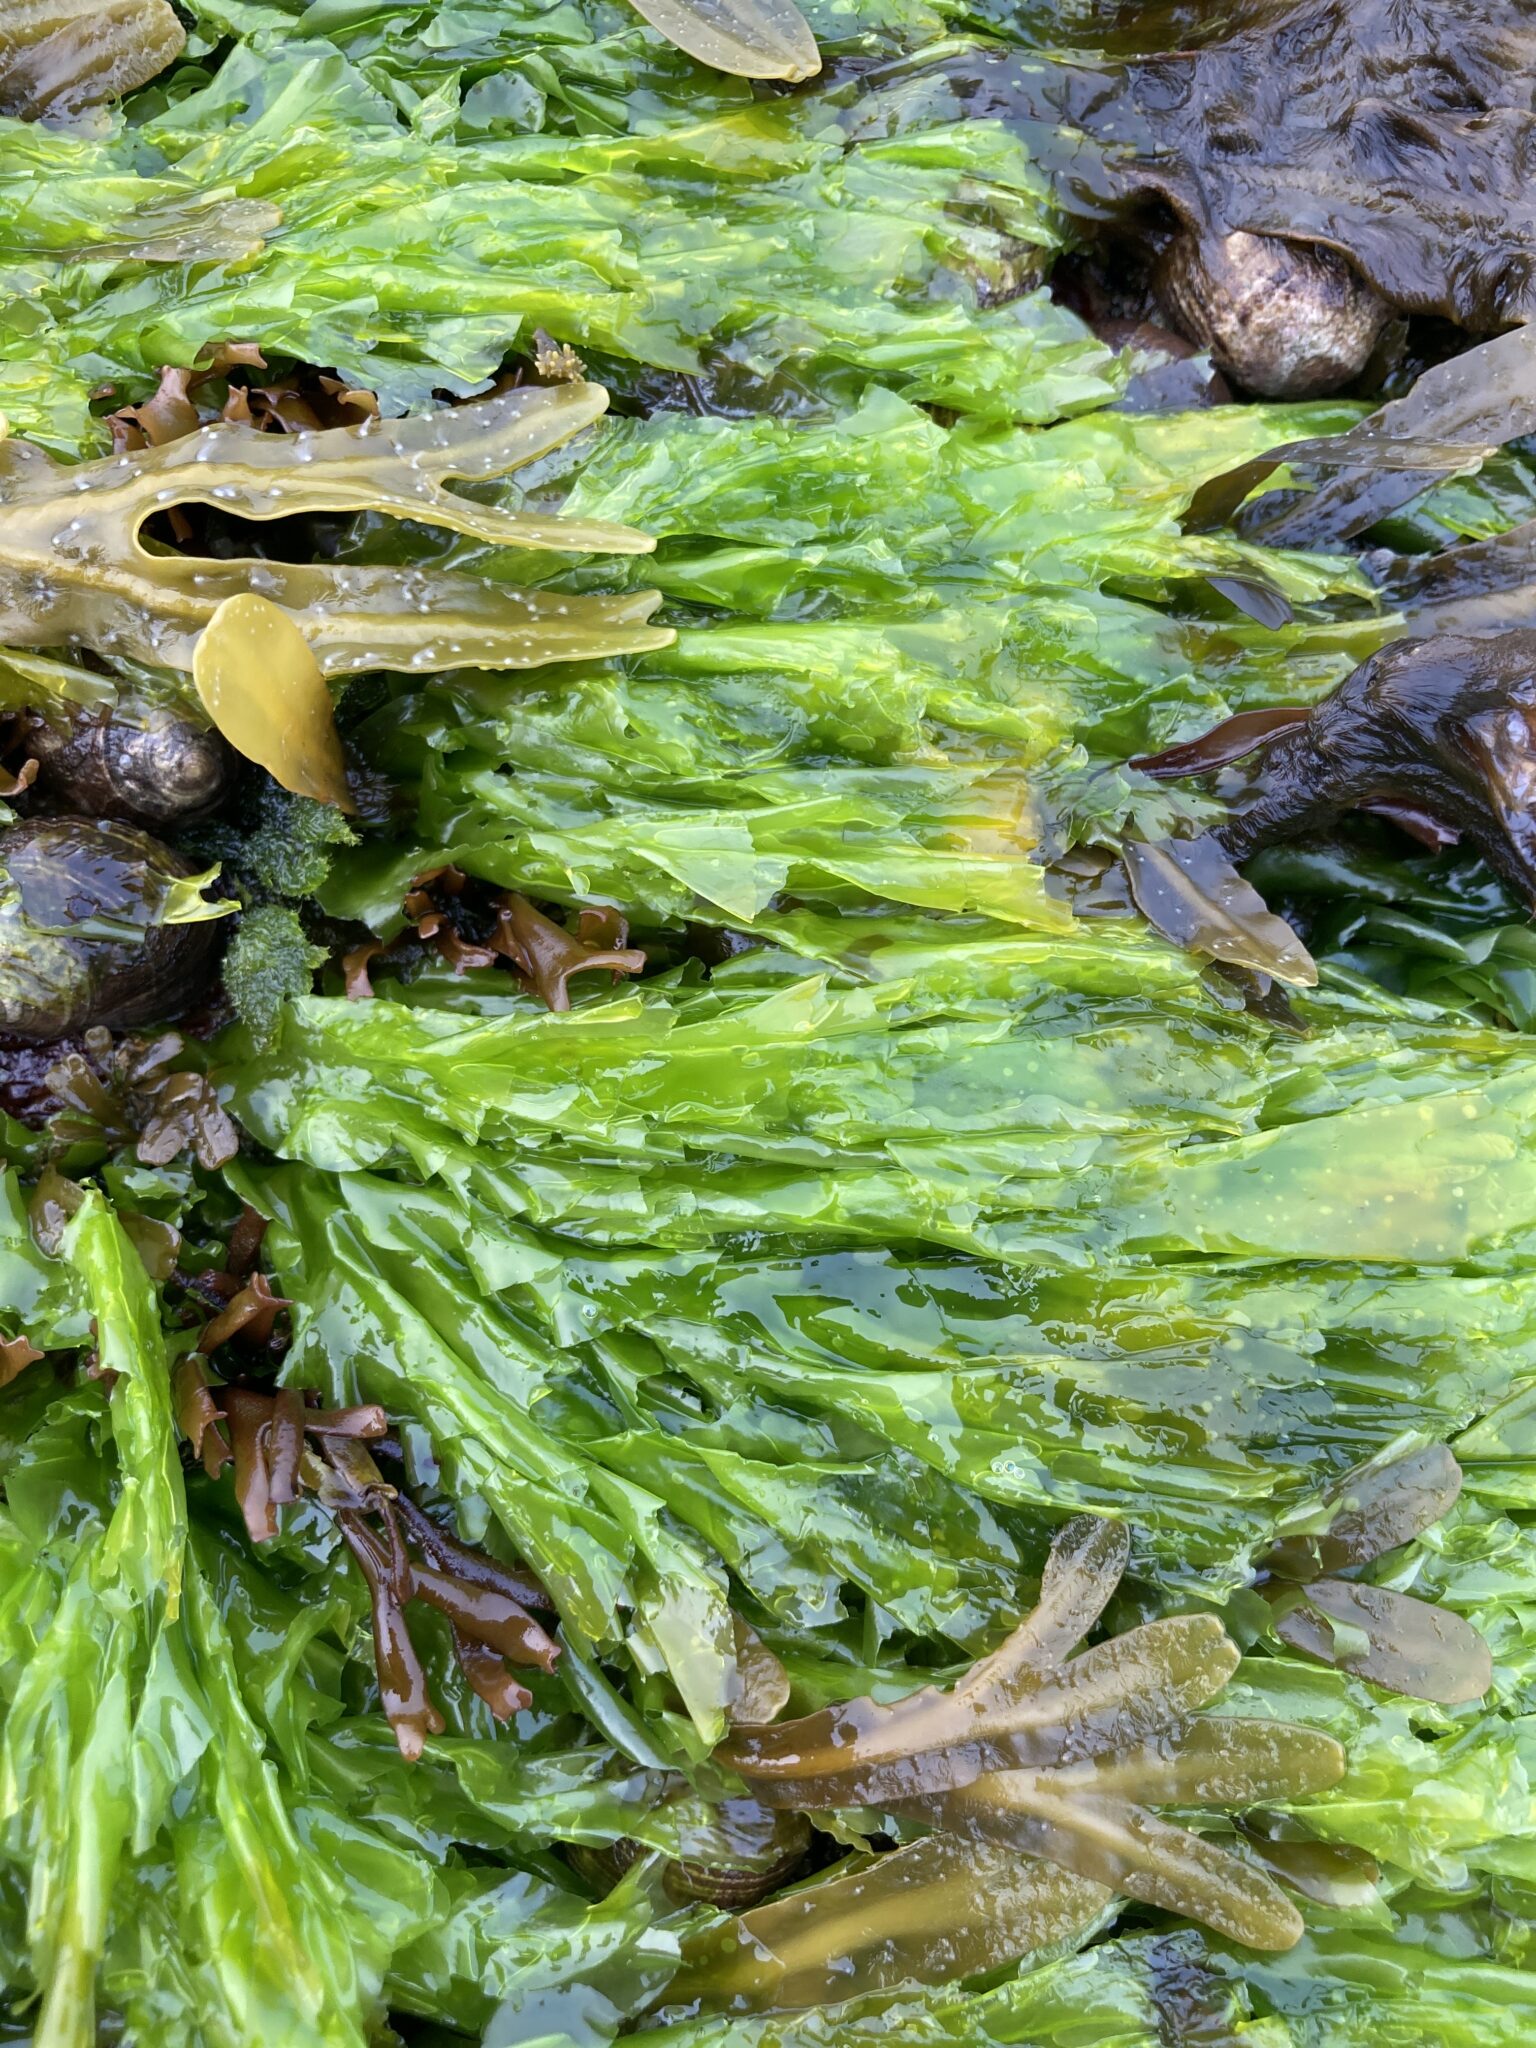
x: 143, y: 760
x: 1283, y: 319
x: 56, y: 977
x: 741, y: 1884
x: 740, y: 1856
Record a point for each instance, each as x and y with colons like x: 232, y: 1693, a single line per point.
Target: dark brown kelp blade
x: 747, y: 38
x: 470, y: 1567
x: 93, y: 1107
x: 130, y: 1094
x: 367, y: 1420
x: 55, y: 1199
x: 1458, y: 414
x: 1417, y: 823
x: 1375, y: 1509
x: 1189, y: 890
x: 59, y: 57
x: 486, y: 1617
x: 16, y: 1354
x: 251, y: 1314
x: 938, y: 1909
x: 266, y: 1432
x: 1256, y: 598
x: 402, y: 1677
x: 284, y: 1445
x: 1402, y: 1644
x: 168, y: 411
x: 1223, y: 744
x: 356, y: 981
x: 1439, y: 731
x: 1384, y: 144
x: 302, y: 400
x: 489, y: 1678
x: 198, y: 1416
x: 479, y: 1598
x: 245, y: 1242
x: 247, y: 1415
x: 1477, y: 587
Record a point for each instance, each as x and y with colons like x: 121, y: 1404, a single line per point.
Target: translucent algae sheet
x: 767, y: 1126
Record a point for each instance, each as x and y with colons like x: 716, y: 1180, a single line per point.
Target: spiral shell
x: 740, y: 1855
x: 57, y: 975
x: 1283, y: 319
x: 144, y: 760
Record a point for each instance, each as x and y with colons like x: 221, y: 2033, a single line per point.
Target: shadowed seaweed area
x: 766, y: 1225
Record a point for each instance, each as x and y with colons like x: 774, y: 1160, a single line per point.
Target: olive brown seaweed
x: 75, y: 571
x: 1062, y: 1757
x: 1401, y: 1643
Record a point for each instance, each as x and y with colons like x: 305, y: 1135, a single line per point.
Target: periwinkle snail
x: 146, y: 758
x: 79, y: 941
x: 736, y: 1853
x: 1283, y: 319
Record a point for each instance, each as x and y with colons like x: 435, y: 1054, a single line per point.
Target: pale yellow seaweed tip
x: 260, y: 683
